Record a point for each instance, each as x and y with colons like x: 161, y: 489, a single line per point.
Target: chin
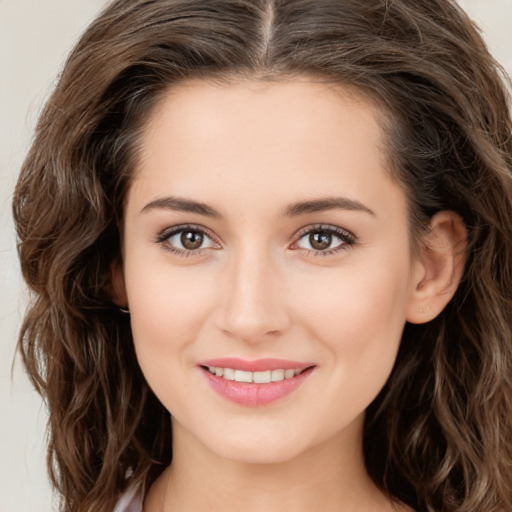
x: 258, y: 449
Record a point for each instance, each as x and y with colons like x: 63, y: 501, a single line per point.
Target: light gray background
x: 35, y: 37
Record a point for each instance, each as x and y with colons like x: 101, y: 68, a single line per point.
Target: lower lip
x: 254, y: 395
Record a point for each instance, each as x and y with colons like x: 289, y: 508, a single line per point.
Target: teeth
x: 277, y: 375
x: 262, y: 377
x: 256, y: 377
x: 241, y: 376
x: 228, y: 374
x: 288, y: 374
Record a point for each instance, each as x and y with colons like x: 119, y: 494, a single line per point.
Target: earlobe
x: 118, y: 291
x: 438, y: 267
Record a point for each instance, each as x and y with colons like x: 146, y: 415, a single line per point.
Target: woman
x: 270, y: 247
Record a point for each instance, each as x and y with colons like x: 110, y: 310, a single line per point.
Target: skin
x: 256, y: 288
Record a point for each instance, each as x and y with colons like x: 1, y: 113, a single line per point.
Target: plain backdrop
x: 35, y: 38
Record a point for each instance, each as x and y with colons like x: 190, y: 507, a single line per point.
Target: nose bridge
x: 254, y: 304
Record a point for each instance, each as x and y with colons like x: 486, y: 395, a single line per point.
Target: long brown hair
x: 439, y: 435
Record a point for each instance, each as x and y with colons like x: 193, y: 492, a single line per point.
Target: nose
x: 254, y: 303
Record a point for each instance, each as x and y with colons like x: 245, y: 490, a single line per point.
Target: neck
x: 330, y: 476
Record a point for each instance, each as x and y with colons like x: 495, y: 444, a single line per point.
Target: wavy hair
x: 439, y: 435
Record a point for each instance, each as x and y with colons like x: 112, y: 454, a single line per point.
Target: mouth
x: 264, y: 377
x: 255, y: 383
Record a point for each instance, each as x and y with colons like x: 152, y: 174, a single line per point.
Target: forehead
x: 261, y: 139
x: 199, y: 108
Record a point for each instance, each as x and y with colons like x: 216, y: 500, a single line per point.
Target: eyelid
x: 164, y: 235
x: 348, y: 238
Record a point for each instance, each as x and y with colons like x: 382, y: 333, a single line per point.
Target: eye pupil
x: 191, y: 239
x: 320, y: 240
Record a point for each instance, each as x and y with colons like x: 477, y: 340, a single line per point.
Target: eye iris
x: 191, y: 240
x: 320, y: 240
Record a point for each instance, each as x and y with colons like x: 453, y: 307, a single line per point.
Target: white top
x: 130, y: 501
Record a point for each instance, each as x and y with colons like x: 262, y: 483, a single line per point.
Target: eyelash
x: 164, y: 236
x: 347, y: 239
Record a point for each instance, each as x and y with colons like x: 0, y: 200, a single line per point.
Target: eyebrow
x: 301, y: 208
x: 325, y: 204
x: 182, y: 205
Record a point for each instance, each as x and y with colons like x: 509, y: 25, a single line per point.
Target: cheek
x: 168, y: 308
x: 361, y: 332
x: 358, y: 315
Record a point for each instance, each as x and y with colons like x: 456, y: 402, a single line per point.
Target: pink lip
x: 252, y: 394
x: 260, y: 365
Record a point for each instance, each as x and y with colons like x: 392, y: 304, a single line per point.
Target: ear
x: 438, y: 267
x: 118, y: 291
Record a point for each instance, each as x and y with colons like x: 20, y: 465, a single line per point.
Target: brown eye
x: 186, y: 240
x: 324, y: 240
x: 191, y: 240
x: 320, y: 240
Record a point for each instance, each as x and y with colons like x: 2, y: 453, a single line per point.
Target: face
x: 265, y: 241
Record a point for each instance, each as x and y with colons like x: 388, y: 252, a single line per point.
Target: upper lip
x: 258, y: 365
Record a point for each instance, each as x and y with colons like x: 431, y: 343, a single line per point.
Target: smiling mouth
x: 264, y: 377
x: 255, y: 383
